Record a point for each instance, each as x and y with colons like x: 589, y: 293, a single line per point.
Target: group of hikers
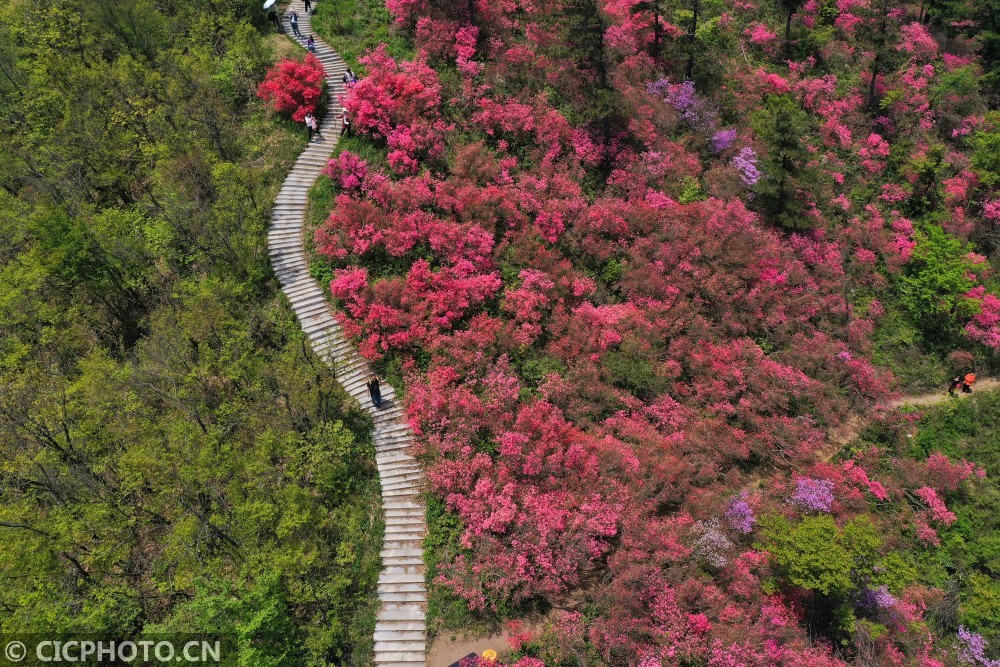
x: 312, y: 125
x: 350, y: 78
x: 293, y: 18
x: 964, y: 383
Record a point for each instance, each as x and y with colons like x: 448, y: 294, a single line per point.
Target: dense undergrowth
x: 966, y: 567
x: 630, y: 261
x: 174, y: 458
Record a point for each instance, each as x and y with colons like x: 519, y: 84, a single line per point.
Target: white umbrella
x: 269, y: 3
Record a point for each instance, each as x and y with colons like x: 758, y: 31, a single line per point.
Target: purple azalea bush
x: 740, y: 515
x: 746, y: 164
x: 972, y: 649
x: 813, y: 495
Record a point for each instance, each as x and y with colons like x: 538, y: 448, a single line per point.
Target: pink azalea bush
x: 619, y: 370
x: 293, y: 87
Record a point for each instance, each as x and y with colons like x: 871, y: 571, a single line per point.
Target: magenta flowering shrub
x: 399, y: 103
x: 984, y: 327
x: 348, y: 170
x: 293, y: 87
x: 617, y: 367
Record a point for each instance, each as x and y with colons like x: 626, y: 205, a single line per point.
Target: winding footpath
x: 401, y: 628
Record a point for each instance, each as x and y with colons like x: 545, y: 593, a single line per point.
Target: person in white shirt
x: 312, y: 126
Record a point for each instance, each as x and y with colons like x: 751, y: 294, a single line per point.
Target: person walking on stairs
x: 345, y: 123
x: 293, y: 18
x: 311, y: 44
x: 375, y: 391
x: 312, y: 126
x: 970, y: 379
x: 308, y: 5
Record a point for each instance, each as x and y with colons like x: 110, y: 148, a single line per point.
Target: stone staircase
x: 400, y: 629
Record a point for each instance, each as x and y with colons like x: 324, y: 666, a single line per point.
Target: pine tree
x: 783, y: 192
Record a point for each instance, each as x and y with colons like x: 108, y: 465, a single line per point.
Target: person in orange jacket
x: 970, y: 379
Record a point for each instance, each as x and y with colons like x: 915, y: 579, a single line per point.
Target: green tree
x: 163, y: 423
x: 934, y: 283
x: 986, y: 150
x: 784, y: 191
x: 811, y: 554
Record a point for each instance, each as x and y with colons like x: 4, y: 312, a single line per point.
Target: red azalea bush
x: 293, y: 87
x: 620, y: 371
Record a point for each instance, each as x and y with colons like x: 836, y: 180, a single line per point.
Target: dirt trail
x: 446, y: 649
x: 982, y: 384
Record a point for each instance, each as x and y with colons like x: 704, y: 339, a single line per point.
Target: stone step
x: 400, y: 659
x: 387, y: 647
x: 400, y: 463
x: 409, y: 614
x: 403, y: 505
x: 403, y: 598
x: 399, y: 579
x: 402, y: 553
x: 388, y: 432
x: 400, y: 475
x: 400, y: 472
x: 307, y: 308
x: 307, y: 300
x: 393, y: 444
x: 410, y: 564
x: 400, y: 635
x: 402, y: 589
x: 400, y: 626
x: 402, y: 491
x: 393, y: 529
x: 404, y: 514
x: 391, y: 566
x: 398, y: 542
x: 411, y: 486
x: 394, y: 430
x: 402, y: 494
x: 417, y: 534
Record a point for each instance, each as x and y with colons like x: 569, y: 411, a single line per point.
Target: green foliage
x: 816, y: 555
x: 967, y: 565
x: 443, y: 532
x: 691, y: 192
x: 534, y: 369
x: 986, y: 150
x: 172, y: 455
x: 981, y: 603
x: 934, y: 282
x: 354, y: 27
x: 788, y: 183
x: 632, y: 367
x: 980, y: 20
x: 899, y: 345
